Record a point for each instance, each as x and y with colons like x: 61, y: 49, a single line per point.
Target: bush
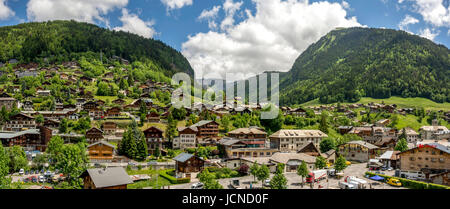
x: 172, y: 179
x: 411, y: 183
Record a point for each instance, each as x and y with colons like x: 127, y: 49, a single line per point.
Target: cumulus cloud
x: 269, y: 40
x: 5, y: 11
x: 80, y: 10
x: 434, y: 12
x: 133, y: 24
x: 230, y: 9
x: 408, y: 20
x: 210, y: 16
x: 176, y: 4
x: 429, y: 34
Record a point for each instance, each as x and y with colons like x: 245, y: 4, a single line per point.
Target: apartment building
x: 293, y: 140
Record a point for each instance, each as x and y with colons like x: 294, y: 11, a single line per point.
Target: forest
x: 348, y: 64
x: 59, y: 41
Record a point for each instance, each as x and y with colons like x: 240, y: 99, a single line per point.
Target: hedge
x: 172, y: 179
x: 411, y: 183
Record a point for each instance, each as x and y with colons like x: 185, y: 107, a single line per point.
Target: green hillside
x: 401, y: 102
x: 58, y: 41
x: 349, y: 64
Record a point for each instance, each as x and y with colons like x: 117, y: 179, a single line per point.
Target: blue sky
x: 220, y: 41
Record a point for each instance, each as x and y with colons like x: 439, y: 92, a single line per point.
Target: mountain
x: 66, y: 40
x: 347, y: 64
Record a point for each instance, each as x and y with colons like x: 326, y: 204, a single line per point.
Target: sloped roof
x: 101, y: 142
x: 364, y: 144
x: 183, y: 157
x: 108, y: 177
x: 282, y: 157
x: 288, y: 133
x: 247, y: 131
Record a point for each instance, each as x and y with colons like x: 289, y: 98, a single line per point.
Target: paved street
x: 294, y: 181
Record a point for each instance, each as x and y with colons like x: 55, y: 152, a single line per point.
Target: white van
x: 21, y: 171
x: 345, y: 185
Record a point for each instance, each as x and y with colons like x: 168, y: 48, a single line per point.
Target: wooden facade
x: 101, y: 151
x: 94, y: 135
x: 155, y: 139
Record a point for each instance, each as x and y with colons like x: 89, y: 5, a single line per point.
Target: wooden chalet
x: 188, y: 163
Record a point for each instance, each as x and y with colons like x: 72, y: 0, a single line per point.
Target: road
x: 294, y: 181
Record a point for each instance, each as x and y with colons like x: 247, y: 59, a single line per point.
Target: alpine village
x: 90, y: 108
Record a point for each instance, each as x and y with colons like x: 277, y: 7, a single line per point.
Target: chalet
x: 74, y: 116
x: 109, y: 75
x: 30, y: 139
x: 359, y: 151
x: 330, y: 156
x: 207, y: 129
x: 344, y: 129
x: 241, y: 110
x: 100, y: 102
x: 292, y: 140
x: 59, y: 106
x: 119, y: 101
x: 188, y: 163
x: 428, y: 158
x: 94, y: 135
x: 253, y: 137
x: 113, y: 112
x: 64, y: 76
x: 155, y: 140
x: 96, y: 113
x: 382, y: 122
x: 55, y: 115
x: 430, y: 132
x: 7, y: 101
x: 86, y: 79
x: 20, y: 122
x: 89, y: 105
x: 153, y: 117
x: 49, y: 123
x: 101, y: 151
x: 293, y: 160
x: 234, y: 148
x: 109, y: 128
x: 390, y: 159
x: 186, y: 138
x: 411, y: 135
x: 106, y: 178
x: 309, y: 149
x: 43, y: 93
x: 298, y: 112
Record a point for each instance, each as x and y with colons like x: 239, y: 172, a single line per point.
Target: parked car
x: 394, y: 182
x: 34, y: 179
x: 27, y: 172
x: 41, y: 179
x: 198, y: 185
x: 21, y: 171
x: 267, y: 183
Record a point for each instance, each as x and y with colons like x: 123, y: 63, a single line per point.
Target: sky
x: 239, y: 37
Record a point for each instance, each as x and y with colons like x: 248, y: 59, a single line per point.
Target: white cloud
x: 230, y: 9
x: 345, y: 4
x: 269, y: 40
x: 133, y: 24
x: 210, y: 15
x: 429, y: 34
x: 176, y: 4
x: 5, y: 11
x: 434, y: 12
x: 80, y: 10
x: 408, y: 20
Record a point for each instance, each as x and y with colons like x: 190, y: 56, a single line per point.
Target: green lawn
x: 155, y: 182
x: 401, y: 102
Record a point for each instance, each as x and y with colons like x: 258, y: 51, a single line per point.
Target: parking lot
x: 294, y: 180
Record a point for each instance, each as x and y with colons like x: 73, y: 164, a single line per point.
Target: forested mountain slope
x: 58, y: 41
x: 347, y: 64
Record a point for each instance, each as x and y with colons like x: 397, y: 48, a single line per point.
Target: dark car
x: 27, y: 172
x: 34, y: 179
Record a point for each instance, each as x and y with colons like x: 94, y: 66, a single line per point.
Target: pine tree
x: 171, y: 128
x: 323, y: 126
